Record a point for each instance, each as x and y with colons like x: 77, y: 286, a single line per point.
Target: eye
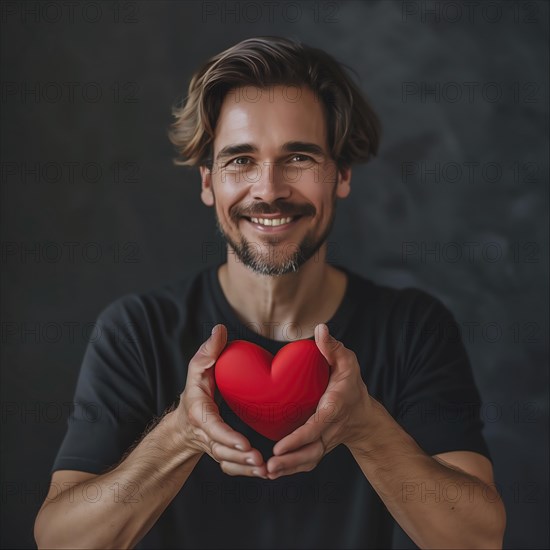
x: 239, y: 161
x: 301, y: 158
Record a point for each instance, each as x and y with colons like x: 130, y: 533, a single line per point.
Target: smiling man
x: 274, y: 127
x: 287, y: 212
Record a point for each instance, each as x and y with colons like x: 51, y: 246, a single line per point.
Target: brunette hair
x: 352, y: 125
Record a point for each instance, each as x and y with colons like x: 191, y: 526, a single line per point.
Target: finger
x: 304, y: 435
x: 222, y: 453
x: 232, y: 469
x: 302, y: 460
x: 207, y: 425
x: 208, y: 352
x: 333, y: 350
x: 313, y: 429
x: 217, y: 430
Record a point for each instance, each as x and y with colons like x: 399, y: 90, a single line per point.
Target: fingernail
x: 239, y: 447
x: 250, y: 461
x: 328, y: 335
x: 324, y: 328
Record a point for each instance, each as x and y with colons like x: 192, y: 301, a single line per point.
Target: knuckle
x: 335, y: 345
x: 194, y: 414
x: 201, y: 439
x: 196, y: 434
x: 201, y: 359
x: 204, y: 350
x: 350, y: 358
x: 231, y: 472
x: 214, y: 450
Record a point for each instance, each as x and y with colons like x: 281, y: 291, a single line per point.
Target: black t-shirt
x: 135, y: 366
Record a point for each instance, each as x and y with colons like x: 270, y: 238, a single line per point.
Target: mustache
x: 284, y: 208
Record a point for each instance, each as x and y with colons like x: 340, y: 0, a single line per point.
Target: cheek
x: 225, y: 198
x: 325, y: 204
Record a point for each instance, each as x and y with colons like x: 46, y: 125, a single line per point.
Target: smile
x: 271, y: 221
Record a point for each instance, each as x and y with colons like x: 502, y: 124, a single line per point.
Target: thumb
x: 210, y: 350
x: 331, y: 348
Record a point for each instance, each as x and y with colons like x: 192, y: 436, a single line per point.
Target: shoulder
x: 397, y: 304
x: 400, y: 322
x: 155, y: 307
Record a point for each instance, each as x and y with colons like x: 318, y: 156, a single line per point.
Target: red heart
x: 273, y: 395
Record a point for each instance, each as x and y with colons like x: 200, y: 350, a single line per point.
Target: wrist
x: 381, y: 435
x: 373, y: 427
x: 177, y: 427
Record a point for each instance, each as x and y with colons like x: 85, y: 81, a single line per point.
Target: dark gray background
x: 142, y: 223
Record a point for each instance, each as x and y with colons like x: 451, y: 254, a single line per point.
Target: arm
x: 407, y: 479
x: 438, y: 504
x: 134, y: 494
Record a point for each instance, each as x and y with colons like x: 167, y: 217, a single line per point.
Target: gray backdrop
x: 456, y: 203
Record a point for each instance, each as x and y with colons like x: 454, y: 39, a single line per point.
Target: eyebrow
x: 288, y: 147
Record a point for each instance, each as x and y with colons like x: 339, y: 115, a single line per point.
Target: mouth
x: 272, y: 223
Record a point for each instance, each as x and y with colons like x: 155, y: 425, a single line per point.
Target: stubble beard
x: 266, y: 257
x: 271, y: 258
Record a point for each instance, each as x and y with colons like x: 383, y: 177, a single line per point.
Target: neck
x: 285, y: 307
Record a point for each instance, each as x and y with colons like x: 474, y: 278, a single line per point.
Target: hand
x: 204, y: 429
x: 341, y: 415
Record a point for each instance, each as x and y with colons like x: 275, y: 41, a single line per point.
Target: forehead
x: 271, y: 116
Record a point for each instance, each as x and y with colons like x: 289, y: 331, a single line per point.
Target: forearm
x: 436, y: 505
x: 116, y: 509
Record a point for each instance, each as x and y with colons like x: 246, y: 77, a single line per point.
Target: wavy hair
x: 352, y: 125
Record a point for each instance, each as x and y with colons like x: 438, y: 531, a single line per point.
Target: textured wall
x: 456, y: 203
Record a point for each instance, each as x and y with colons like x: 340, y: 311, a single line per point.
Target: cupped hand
x: 204, y: 429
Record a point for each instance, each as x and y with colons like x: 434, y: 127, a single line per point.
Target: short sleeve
x: 439, y: 404
x: 112, y: 403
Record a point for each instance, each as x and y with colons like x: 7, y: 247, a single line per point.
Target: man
x: 274, y: 127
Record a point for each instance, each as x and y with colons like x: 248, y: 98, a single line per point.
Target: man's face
x: 273, y: 183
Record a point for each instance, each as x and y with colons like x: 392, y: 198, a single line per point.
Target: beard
x: 271, y: 257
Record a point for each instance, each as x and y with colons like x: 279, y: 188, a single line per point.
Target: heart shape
x: 273, y: 395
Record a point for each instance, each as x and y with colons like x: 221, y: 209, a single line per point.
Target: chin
x: 273, y: 270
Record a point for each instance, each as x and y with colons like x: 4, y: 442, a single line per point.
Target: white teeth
x: 270, y: 221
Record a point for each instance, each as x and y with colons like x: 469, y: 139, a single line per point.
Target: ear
x: 207, y: 196
x: 343, y: 188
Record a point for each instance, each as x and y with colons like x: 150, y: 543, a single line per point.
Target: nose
x: 270, y: 184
